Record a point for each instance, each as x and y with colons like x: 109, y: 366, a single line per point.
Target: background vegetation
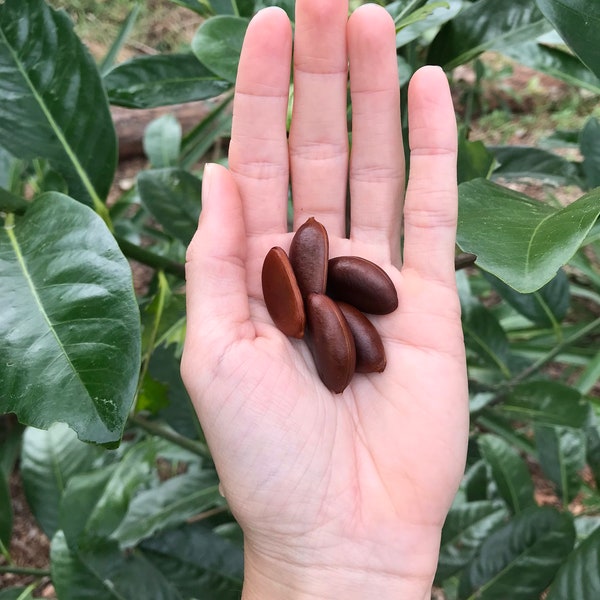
x: 99, y: 431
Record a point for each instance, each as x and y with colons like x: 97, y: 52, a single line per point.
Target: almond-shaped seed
x: 282, y: 294
x: 309, y: 253
x: 370, y: 354
x: 330, y: 341
x: 362, y: 283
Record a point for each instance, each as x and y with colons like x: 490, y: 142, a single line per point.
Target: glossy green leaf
x: 163, y: 79
x: 55, y: 106
x: 125, y: 30
x: 70, y: 322
x: 475, y: 482
x: 561, y: 452
x: 168, y: 505
x: 162, y: 141
x: 485, y: 25
x: 197, y: 561
x: 466, y: 527
x: 522, y: 241
x: 577, y: 22
x: 547, y: 306
x: 579, y: 577
x: 6, y: 514
x: 519, y: 560
x: 218, y: 44
x: 432, y: 14
x: 102, y: 572
x: 48, y: 460
x: 521, y: 162
x: 546, y: 403
x: 554, y: 62
x: 509, y: 472
x: 589, y: 143
x: 173, y: 197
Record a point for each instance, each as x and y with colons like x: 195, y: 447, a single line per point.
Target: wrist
x: 353, y: 574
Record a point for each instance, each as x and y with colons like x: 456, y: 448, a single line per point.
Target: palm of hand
x: 301, y: 466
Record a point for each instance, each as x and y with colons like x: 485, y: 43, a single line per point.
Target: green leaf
x: 561, y: 452
x: 546, y: 307
x: 168, y: 505
x: 12, y: 203
x: 519, y: 560
x: 443, y: 13
x: 173, y: 198
x: 11, y: 435
x: 202, y: 7
x: 485, y: 25
x: 126, y: 28
x: 589, y: 143
x: 102, y: 572
x: 554, y: 62
x: 421, y: 14
x: 164, y: 79
x: 197, y: 561
x: 17, y: 593
x: 466, y: 527
x: 162, y: 141
x: 474, y: 158
x: 546, y: 403
x: 6, y: 515
x: 522, y: 241
x: 48, y: 460
x: 70, y: 324
x: 509, y: 472
x: 521, y: 162
x: 218, y: 44
x: 579, y: 576
x: 56, y: 107
x: 593, y: 450
x: 577, y: 22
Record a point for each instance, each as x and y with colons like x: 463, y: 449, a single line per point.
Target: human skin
x: 338, y: 495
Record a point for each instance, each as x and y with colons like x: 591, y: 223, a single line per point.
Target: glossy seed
x: 370, y: 354
x: 330, y: 341
x: 309, y: 253
x: 281, y: 293
x: 361, y: 283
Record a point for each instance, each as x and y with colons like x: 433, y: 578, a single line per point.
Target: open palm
x: 351, y: 481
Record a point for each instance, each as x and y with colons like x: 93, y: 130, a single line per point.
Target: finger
x: 258, y: 153
x: 377, y: 158
x: 318, y: 135
x: 431, y: 204
x: 217, y: 299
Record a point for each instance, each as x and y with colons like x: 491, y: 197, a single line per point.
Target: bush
x: 113, y: 460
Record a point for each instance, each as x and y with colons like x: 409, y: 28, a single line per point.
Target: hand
x: 338, y: 495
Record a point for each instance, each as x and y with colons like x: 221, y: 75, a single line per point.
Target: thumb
x: 216, y: 294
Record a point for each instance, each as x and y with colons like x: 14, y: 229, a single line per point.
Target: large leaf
x: 546, y: 403
x: 102, y: 572
x: 466, y: 527
x: 70, y: 325
x: 578, y: 22
x: 168, y: 505
x: 561, y: 452
x: 162, y: 141
x: 218, y: 44
x: 53, y: 103
x: 519, y: 560
x: 509, y: 472
x: 485, y: 25
x: 522, y: 241
x: 523, y: 162
x: 173, y: 197
x: 579, y: 577
x: 198, y: 562
x: 48, y: 460
x: 150, y: 81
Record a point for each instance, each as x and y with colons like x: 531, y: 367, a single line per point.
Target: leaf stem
x: 160, y: 430
x: 149, y: 258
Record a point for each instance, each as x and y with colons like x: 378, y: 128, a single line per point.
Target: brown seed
x: 309, y: 252
x: 362, y: 283
x: 370, y: 354
x: 330, y: 341
x: 281, y: 293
